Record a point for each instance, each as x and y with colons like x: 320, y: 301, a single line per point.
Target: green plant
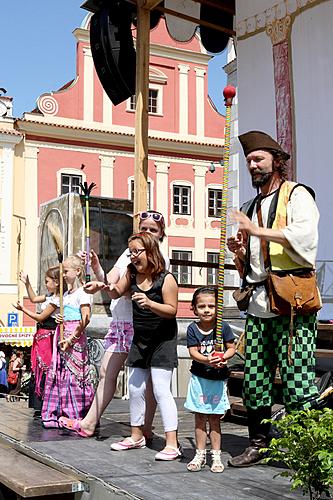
x: 306, y: 447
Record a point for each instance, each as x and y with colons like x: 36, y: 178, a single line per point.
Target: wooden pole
x: 61, y: 299
x: 141, y: 114
x: 229, y: 93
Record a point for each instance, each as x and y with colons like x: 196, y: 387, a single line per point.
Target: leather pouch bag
x: 293, y: 293
x: 242, y: 297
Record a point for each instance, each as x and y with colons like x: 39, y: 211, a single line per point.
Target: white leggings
x: 161, y: 380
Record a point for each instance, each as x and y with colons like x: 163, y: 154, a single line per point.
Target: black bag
x: 325, y: 384
x: 242, y: 297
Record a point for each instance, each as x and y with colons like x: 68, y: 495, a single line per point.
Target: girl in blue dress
x: 207, y: 390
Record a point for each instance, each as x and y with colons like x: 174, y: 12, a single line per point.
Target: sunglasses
x: 156, y: 216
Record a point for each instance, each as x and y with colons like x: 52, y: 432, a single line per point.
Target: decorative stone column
x: 200, y: 100
x: 6, y: 211
x: 162, y: 190
x: 183, y: 98
x: 199, y: 215
x: 88, y: 86
x: 107, y: 109
x: 279, y: 31
x: 31, y: 211
x: 107, y: 173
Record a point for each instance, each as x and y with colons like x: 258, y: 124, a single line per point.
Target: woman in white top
x: 118, y: 340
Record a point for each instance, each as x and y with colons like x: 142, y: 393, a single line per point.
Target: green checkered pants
x: 267, y: 341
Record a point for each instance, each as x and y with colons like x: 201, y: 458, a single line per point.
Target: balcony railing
x: 325, y: 279
x: 324, y: 275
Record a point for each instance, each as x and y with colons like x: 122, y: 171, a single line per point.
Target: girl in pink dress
x: 41, y: 352
x: 69, y: 389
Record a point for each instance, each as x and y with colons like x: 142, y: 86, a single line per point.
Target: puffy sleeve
x: 302, y: 227
x: 85, y: 298
x: 54, y: 300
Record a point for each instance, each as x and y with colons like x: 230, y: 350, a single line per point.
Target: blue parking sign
x: 12, y: 319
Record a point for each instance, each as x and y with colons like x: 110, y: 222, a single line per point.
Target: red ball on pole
x: 229, y: 93
x: 219, y: 354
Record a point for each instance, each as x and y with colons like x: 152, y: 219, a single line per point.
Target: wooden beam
x: 217, y: 5
x: 148, y: 4
x: 141, y: 113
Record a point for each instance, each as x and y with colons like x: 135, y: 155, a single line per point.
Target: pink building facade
x: 76, y: 135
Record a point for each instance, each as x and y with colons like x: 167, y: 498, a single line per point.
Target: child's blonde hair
x: 75, y: 262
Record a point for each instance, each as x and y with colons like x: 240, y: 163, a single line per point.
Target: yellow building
x: 12, y: 226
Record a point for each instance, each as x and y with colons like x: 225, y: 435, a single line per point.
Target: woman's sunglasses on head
x: 156, y: 216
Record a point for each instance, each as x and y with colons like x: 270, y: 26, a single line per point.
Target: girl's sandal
x: 217, y: 465
x: 74, y: 425
x: 128, y: 444
x: 198, y: 462
x: 169, y: 453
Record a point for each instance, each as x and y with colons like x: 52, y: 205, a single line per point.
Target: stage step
x: 237, y: 409
x: 29, y: 478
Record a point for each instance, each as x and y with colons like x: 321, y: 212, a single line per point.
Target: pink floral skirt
x: 69, y: 389
x: 119, y: 337
x: 41, y: 356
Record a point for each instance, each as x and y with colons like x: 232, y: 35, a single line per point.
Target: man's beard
x: 261, y: 179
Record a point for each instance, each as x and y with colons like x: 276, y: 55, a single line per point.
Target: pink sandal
x: 168, y: 455
x: 128, y: 444
x: 74, y: 425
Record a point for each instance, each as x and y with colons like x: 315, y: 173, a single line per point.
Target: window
x: 212, y: 273
x: 214, y: 202
x: 148, y: 193
x: 70, y: 183
x: 154, y: 105
x: 182, y: 200
x: 132, y: 103
x: 183, y: 274
x: 153, y: 101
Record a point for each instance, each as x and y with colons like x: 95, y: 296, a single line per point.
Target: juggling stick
x: 86, y: 190
x: 229, y: 93
x: 58, y: 243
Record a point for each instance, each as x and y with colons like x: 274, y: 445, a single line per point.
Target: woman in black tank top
x: 154, y: 349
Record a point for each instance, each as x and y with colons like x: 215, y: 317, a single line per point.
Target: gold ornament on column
x: 279, y: 29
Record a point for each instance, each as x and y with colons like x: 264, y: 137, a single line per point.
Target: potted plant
x: 306, y: 447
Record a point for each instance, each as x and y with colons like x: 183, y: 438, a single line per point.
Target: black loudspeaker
x: 155, y: 17
x: 216, y: 41
x: 113, y: 49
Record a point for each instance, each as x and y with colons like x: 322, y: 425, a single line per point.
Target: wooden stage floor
x: 134, y: 474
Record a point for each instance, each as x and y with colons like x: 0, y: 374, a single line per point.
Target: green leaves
x: 306, y: 447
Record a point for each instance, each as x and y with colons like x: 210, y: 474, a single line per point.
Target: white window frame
x: 152, y: 86
x: 150, y: 191
x: 190, y: 268
x: 182, y: 184
x: 215, y: 187
x: 71, y: 172
x: 212, y: 270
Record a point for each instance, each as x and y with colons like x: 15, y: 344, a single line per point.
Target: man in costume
x: 284, y: 217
